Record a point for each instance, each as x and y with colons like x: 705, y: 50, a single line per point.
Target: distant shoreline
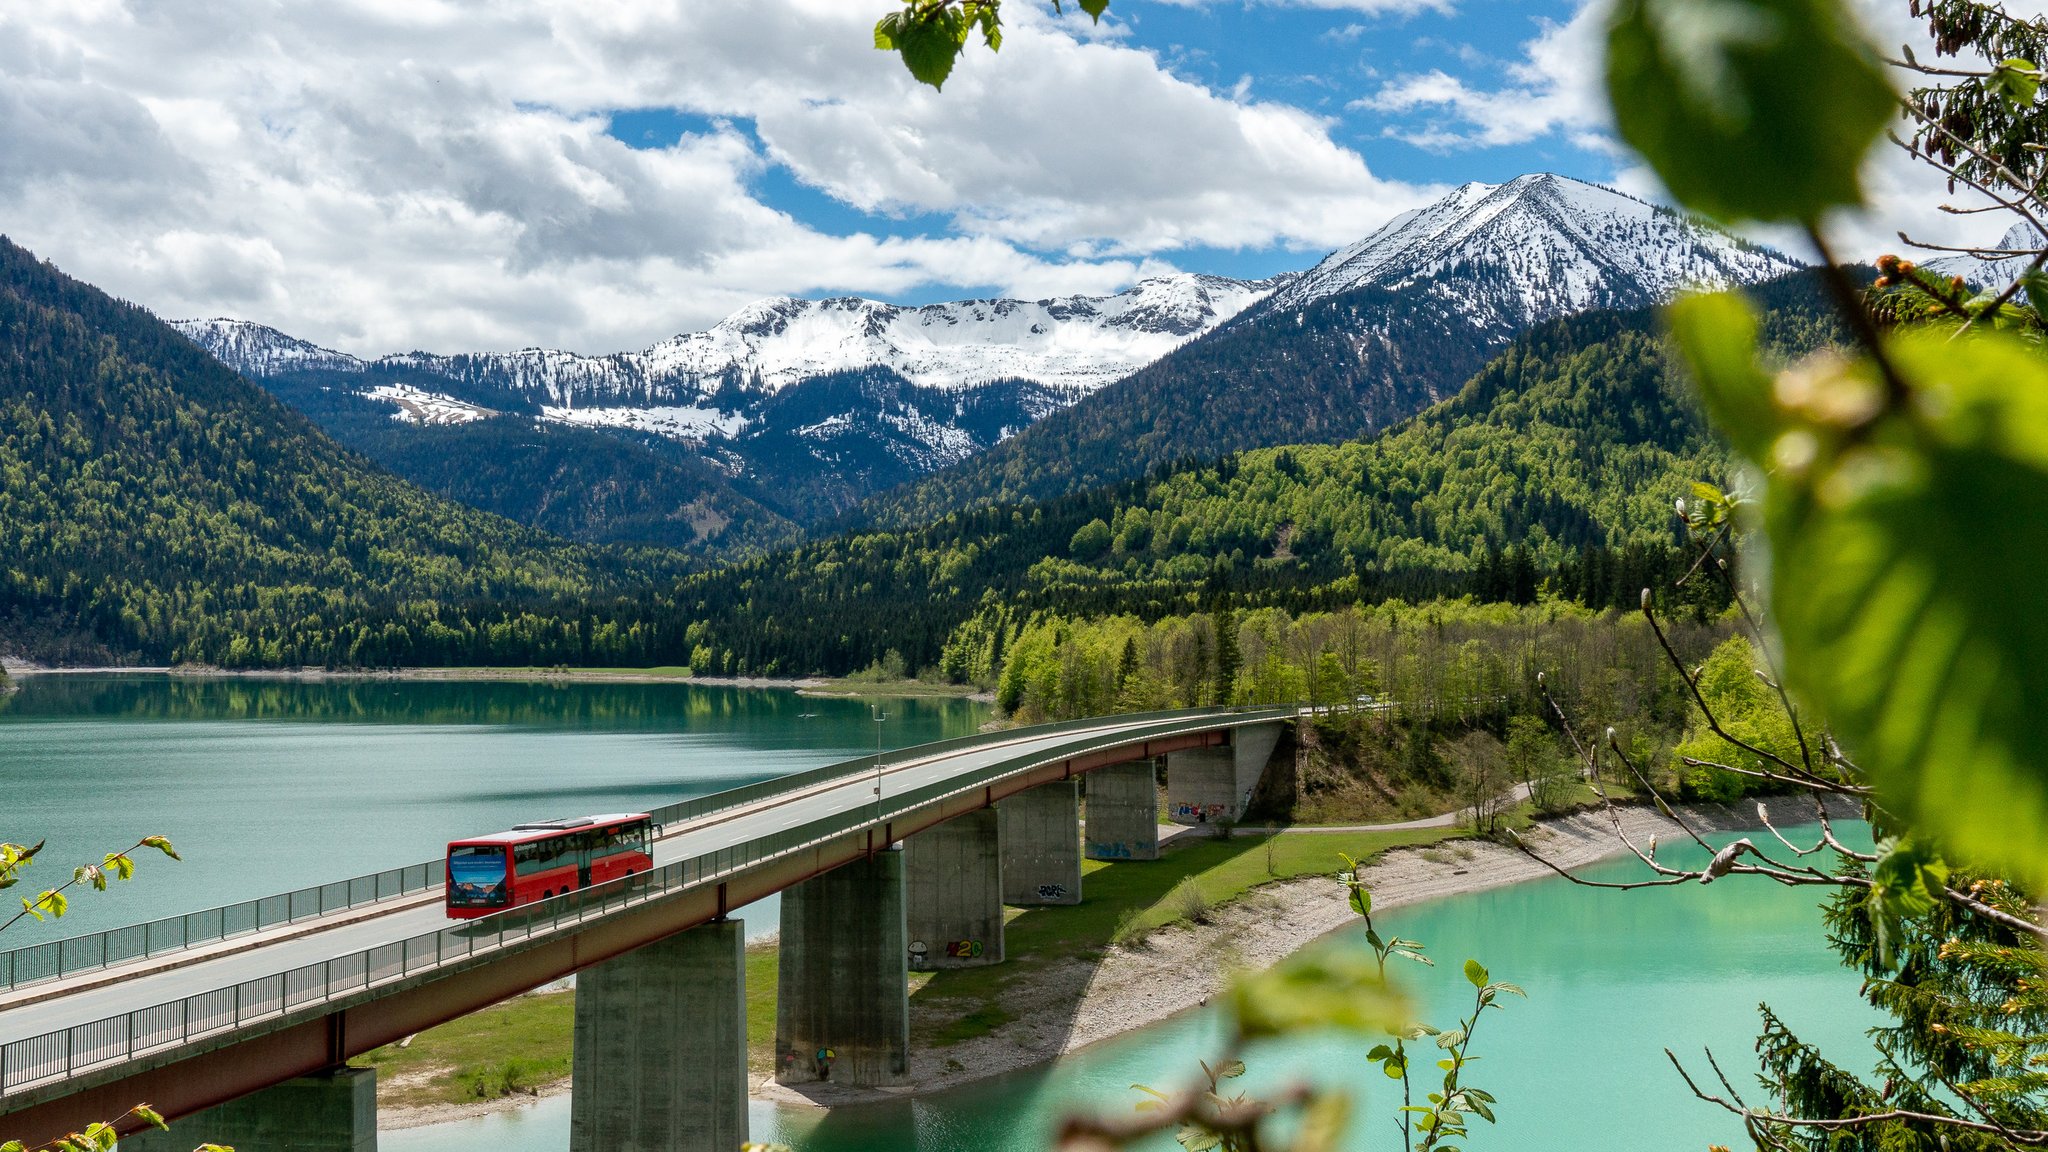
x: 803, y: 685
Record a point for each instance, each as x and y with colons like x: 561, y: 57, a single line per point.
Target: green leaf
x: 1231, y: 1070
x: 1361, y: 901
x: 1907, y: 552
x: 149, y: 1116
x: 929, y: 40
x: 2014, y: 81
x: 1748, y: 109
x: 13, y: 1146
x: 1716, y: 334
x: 1451, y: 1039
x: 1330, y: 989
x: 1476, y: 973
x: 160, y: 844
x: 1323, y: 1123
x: 2034, y: 282
x: 1907, y: 882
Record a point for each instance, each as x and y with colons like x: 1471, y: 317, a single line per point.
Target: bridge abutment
x: 953, y: 892
x: 1123, y: 812
x: 333, y: 1112
x: 1041, y: 837
x: 842, y: 987
x: 660, y: 1060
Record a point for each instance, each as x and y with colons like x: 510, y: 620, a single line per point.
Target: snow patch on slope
x: 1988, y: 274
x: 417, y: 406
x: 677, y: 422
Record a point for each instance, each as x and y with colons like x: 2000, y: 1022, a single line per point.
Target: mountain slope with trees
x: 1553, y: 469
x: 1375, y: 333
x: 155, y: 505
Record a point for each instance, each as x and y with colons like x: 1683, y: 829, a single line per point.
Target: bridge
x: 245, y: 1017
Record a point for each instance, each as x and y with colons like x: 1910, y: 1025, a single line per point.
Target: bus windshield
x: 476, y: 875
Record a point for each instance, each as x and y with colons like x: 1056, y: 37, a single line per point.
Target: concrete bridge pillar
x: 660, y: 1061
x: 336, y: 1112
x: 1207, y: 785
x: 1041, y: 835
x: 843, y: 985
x: 1123, y: 812
x: 953, y: 892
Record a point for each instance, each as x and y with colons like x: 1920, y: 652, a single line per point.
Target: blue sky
x: 1322, y: 60
x: 461, y: 175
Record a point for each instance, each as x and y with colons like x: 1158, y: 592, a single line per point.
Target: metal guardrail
x: 65, y: 1052
x: 55, y: 959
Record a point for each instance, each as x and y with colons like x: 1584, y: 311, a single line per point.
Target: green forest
x: 158, y: 508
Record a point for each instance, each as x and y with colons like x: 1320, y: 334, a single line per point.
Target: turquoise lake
x: 268, y: 785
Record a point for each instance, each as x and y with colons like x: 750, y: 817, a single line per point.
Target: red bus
x: 532, y: 862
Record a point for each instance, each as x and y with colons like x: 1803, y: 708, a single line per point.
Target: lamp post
x: 880, y: 716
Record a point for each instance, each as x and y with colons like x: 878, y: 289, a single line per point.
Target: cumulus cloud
x: 1553, y: 89
x: 382, y: 174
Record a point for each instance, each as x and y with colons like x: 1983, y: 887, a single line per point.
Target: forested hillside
x: 1338, y: 368
x: 154, y: 505
x: 604, y: 486
x: 1553, y: 469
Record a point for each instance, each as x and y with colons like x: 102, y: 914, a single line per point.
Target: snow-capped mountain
x: 1988, y: 273
x: 1370, y: 336
x: 809, y: 407
x: 844, y: 388
x: 1071, y: 344
x: 1509, y: 255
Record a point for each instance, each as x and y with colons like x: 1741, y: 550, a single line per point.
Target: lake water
x: 268, y: 785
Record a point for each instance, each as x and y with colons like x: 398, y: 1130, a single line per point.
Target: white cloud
x: 1553, y: 89
x: 382, y: 174
x: 1365, y: 7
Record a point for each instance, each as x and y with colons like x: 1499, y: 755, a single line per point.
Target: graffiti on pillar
x: 1117, y: 850
x: 964, y: 949
x: 1200, y: 813
x: 1052, y: 892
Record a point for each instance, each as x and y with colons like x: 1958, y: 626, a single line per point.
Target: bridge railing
x: 55, y: 959
x: 63, y: 1053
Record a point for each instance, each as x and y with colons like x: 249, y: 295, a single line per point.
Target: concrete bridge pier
x: 660, y: 1060
x: 1123, y: 812
x: 1210, y: 785
x: 844, y: 980
x: 953, y: 892
x: 334, y: 1112
x: 1041, y: 836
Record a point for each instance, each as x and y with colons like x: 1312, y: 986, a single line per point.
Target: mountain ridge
x: 1375, y: 332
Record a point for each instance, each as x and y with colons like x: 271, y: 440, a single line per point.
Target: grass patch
x: 1126, y: 900
x: 980, y: 1022
x: 517, y: 1046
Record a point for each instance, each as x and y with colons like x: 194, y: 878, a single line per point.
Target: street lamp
x: 880, y: 716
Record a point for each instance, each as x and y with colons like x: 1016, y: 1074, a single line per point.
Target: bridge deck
x: 100, y: 1018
